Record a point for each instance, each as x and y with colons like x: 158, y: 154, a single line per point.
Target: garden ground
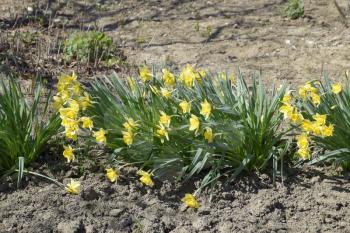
x: 225, y: 35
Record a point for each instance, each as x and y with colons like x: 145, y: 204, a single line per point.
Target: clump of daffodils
x: 315, y: 126
x: 71, y: 101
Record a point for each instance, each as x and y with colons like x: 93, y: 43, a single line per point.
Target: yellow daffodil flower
x: 68, y: 113
x: 337, y: 88
x: 185, y: 106
x: 304, y: 153
x: 73, y: 187
x: 130, y: 124
x: 85, y: 101
x: 307, y: 126
x: 188, y: 75
x: 168, y: 78
x: 100, y: 136
x: 71, y: 133
x: 112, y: 174
x: 287, y: 98
x: 287, y: 111
x: 128, y: 137
x: 146, y: 178
x: 206, y: 109
x: 315, y: 98
x: 328, y: 131
x: 164, y: 119
x: 57, y: 102
x: 87, y: 123
x: 68, y: 153
x: 162, y: 133
x: 165, y: 93
x: 320, y: 119
x: 296, y: 117
x: 208, y: 135
x: 302, y: 141
x: 145, y: 74
x: 194, y: 123
x: 190, y: 201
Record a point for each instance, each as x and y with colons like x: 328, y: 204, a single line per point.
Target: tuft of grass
x: 294, y: 9
x: 244, y: 119
x: 25, y: 126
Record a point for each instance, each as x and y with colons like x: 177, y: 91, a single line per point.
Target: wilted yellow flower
x: 146, y: 178
x: 190, y: 201
x: 206, y: 109
x: 194, y: 123
x: 188, y: 75
x: 68, y: 153
x: 130, y: 124
x: 320, y: 119
x: 315, y: 98
x: 128, y: 137
x: 100, y: 136
x: 165, y: 93
x: 162, y: 133
x: 73, y: 187
x: 185, y: 106
x: 208, y: 135
x: 145, y: 73
x: 112, y: 174
x: 87, y: 122
x: 168, y: 78
x: 337, y: 88
x: 164, y: 119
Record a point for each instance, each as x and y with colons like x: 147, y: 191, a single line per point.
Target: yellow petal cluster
x: 146, y: 178
x: 73, y: 187
x: 190, y: 200
x: 206, y: 109
x: 112, y: 174
x: 145, y: 74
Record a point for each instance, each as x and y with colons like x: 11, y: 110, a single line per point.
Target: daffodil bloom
x: 73, y: 187
x: 315, y: 98
x: 327, y: 131
x: 132, y: 83
x: 164, y: 119
x: 128, y: 137
x: 165, y: 93
x: 307, y: 126
x: 162, y: 133
x: 75, y: 88
x: 87, y: 123
x: 303, y: 92
x: 73, y: 104
x: 304, y: 153
x: 287, y: 110
x: 188, y: 76
x: 206, y: 109
x: 194, y: 123
x: 287, y: 98
x: 68, y: 113
x: 146, y: 178
x: 337, y: 88
x: 85, y: 101
x: 65, y: 95
x: 317, y: 129
x: 302, y: 141
x: 185, y: 106
x: 68, y: 153
x: 296, y: 117
x: 112, y: 174
x: 145, y: 74
x: 100, y: 136
x: 65, y: 81
x: 70, y: 123
x: 208, y: 135
x: 130, y: 124
x: 57, y: 102
x: 190, y: 201
x: 168, y: 78
x: 320, y: 119
x: 71, y: 133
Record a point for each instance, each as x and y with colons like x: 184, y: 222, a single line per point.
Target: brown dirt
x: 309, y: 201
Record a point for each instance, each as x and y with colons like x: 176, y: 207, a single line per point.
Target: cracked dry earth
x: 310, y: 200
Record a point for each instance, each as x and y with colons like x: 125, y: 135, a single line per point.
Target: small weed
x: 294, y: 9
